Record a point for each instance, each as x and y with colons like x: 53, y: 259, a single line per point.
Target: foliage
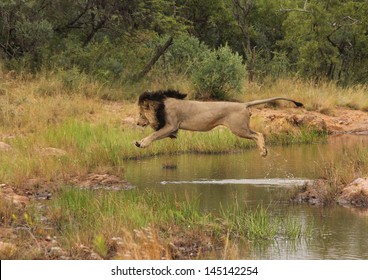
x: 184, y: 55
x: 331, y: 42
x: 113, y: 40
x: 221, y: 72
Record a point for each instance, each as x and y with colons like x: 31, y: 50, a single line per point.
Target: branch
x: 94, y: 30
x: 71, y: 23
x: 159, y: 52
x: 305, y: 5
x: 304, y: 10
x: 351, y: 20
x: 294, y: 10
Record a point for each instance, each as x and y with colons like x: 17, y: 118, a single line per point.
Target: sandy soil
x: 338, y: 121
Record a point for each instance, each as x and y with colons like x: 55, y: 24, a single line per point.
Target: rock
x: 314, y: 194
x: 101, y: 181
x: 355, y: 194
x: 48, y: 238
x: 56, y: 252
x: 4, y: 147
x: 95, y: 256
x: 310, y: 121
x: 9, y: 194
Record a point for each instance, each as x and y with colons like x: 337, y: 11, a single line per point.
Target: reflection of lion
x: 167, y: 112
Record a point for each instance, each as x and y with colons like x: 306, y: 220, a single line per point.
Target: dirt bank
x: 337, y: 121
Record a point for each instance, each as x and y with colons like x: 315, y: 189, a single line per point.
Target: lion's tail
x: 262, y: 101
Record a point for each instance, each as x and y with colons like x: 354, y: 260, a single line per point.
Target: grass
x: 79, y: 118
x: 322, y: 97
x: 260, y: 224
x: 139, y: 225
x: 92, y: 147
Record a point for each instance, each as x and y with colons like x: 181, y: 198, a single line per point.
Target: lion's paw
x: 137, y: 144
x: 264, y: 153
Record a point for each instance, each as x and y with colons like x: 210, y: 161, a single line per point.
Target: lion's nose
x: 140, y: 124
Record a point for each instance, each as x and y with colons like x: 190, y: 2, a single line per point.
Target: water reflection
x: 219, y: 180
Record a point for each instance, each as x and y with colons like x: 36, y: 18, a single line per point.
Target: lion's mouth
x: 142, y: 124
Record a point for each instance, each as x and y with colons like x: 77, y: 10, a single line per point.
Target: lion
x: 167, y: 112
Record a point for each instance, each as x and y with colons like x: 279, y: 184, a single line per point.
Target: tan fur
x: 202, y: 116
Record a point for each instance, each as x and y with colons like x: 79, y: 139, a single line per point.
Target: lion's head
x: 152, y: 107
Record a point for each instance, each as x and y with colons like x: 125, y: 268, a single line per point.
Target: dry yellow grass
x: 322, y: 97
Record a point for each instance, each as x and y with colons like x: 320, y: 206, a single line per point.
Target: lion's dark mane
x: 158, y: 97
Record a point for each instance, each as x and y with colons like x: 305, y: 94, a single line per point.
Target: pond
x: 248, y: 179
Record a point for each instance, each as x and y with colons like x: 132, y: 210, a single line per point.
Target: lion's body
x: 204, y: 116
x: 167, y: 112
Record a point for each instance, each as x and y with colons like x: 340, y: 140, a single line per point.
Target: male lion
x: 166, y: 112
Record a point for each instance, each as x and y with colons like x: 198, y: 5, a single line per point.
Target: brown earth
x: 337, y: 121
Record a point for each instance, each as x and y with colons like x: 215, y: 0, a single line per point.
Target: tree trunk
x: 159, y: 52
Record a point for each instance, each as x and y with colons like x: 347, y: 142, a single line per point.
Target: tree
x: 327, y: 39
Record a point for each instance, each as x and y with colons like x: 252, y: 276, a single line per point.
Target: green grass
x: 91, y: 147
x: 89, y: 211
x: 94, y: 218
x: 261, y: 225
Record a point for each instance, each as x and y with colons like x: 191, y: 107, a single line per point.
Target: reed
x: 260, y: 225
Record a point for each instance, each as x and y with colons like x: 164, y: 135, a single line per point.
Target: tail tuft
x: 298, y: 104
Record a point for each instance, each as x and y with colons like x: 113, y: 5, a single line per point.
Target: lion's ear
x: 146, y: 105
x: 153, y: 105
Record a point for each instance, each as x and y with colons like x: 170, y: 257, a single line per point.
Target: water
x: 218, y: 180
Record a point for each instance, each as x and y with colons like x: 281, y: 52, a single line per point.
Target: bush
x: 183, y: 56
x: 219, y: 75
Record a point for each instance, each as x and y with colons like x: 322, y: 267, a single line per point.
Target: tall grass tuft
x: 260, y: 225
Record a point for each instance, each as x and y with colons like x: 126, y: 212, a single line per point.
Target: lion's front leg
x: 159, y: 134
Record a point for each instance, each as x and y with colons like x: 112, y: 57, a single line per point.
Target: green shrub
x: 220, y: 74
x: 183, y: 56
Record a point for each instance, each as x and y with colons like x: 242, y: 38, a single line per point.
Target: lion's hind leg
x: 260, y: 142
x: 253, y: 135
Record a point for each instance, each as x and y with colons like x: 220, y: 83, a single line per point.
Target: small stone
x: 56, y: 251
